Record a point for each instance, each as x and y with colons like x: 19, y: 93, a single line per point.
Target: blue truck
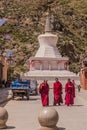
x: 24, y: 88
x: 20, y: 88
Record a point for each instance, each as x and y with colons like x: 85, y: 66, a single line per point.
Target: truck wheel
x: 36, y: 92
x: 13, y: 97
x: 27, y: 96
x: 22, y: 96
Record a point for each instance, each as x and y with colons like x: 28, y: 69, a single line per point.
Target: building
x: 83, y: 74
x: 48, y: 63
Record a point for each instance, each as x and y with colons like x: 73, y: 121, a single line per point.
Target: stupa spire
x: 48, y: 24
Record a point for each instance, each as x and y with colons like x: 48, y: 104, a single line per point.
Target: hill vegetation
x: 26, y: 19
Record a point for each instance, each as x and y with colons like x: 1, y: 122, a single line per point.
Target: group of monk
x: 57, y: 92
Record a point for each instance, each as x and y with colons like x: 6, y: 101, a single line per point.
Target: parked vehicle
x: 33, y: 87
x: 20, y: 88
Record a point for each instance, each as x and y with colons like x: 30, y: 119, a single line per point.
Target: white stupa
x: 48, y: 63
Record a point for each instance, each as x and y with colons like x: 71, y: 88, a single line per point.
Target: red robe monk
x: 44, y: 91
x: 57, y: 90
x: 70, y: 93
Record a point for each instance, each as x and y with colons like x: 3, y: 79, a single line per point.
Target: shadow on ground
x: 76, y: 105
x: 60, y: 128
x: 9, y: 127
x: 24, y: 99
x: 31, y: 98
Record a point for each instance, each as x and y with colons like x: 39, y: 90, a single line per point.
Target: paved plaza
x: 23, y: 114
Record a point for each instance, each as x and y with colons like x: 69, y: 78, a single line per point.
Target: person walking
x: 44, y: 92
x: 79, y: 88
x: 57, y: 92
x: 70, y: 93
x: 73, y: 82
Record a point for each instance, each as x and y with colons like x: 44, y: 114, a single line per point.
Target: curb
x: 6, y: 100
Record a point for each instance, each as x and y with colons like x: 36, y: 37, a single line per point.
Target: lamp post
x: 10, y: 61
x: 1, y: 66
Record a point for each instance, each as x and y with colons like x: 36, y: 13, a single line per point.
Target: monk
x: 57, y: 91
x: 70, y: 93
x: 44, y: 91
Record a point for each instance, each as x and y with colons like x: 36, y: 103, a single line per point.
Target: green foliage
x: 26, y: 20
x: 74, y: 67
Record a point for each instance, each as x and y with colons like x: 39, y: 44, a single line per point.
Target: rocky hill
x: 26, y: 19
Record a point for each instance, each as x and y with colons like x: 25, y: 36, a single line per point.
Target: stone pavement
x: 23, y: 114
x: 83, y: 94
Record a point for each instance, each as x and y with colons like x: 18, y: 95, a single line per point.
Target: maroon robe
x: 44, y: 91
x: 70, y: 93
x: 57, y: 90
